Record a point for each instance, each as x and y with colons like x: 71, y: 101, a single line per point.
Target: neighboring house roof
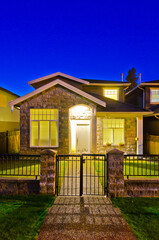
x: 143, y: 84
x: 117, y: 106
x: 7, y: 91
x: 56, y: 75
x: 63, y: 84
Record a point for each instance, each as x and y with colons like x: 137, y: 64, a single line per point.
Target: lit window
x: 113, y: 131
x: 44, y: 127
x: 154, y: 96
x: 111, y: 93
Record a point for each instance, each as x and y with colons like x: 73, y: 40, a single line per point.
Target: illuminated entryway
x: 80, y: 129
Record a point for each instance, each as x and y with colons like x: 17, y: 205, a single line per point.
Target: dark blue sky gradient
x: 85, y: 39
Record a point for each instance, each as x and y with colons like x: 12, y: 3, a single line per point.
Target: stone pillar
x: 115, y: 173
x: 48, y: 172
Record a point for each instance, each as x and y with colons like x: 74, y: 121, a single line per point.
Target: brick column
x: 115, y: 173
x: 48, y: 172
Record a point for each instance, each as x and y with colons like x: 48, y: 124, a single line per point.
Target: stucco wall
x: 55, y: 97
x: 130, y: 135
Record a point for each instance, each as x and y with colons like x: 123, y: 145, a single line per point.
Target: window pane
x: 34, y: 133
x: 155, y: 95
x: 44, y: 133
x: 54, y: 133
x: 118, y: 136
x: 113, y: 94
x: 107, y: 136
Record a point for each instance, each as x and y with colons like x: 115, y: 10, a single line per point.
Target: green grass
x: 142, y: 214
x: 22, y: 216
x: 62, y: 171
x: 99, y: 168
x: 19, y: 168
x: 141, y: 167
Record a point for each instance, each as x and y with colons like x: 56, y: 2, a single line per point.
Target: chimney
x: 122, y: 77
x: 139, y: 78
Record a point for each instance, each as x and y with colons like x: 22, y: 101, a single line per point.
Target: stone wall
x: 141, y: 188
x: 129, y: 132
x: 55, y: 97
x: 19, y: 187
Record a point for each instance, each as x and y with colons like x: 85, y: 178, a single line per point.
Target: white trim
x: 110, y: 84
x: 55, y: 75
x: 50, y: 146
x: 66, y: 85
x: 99, y: 114
x: 132, y: 90
x: 139, y: 123
x: 148, y: 84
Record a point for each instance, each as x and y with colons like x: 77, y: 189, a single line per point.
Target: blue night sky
x: 85, y: 39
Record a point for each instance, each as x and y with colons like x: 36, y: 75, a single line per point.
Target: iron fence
x: 141, y: 165
x: 84, y: 174
x: 19, y: 165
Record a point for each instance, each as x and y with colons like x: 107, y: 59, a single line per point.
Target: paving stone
x: 84, y: 218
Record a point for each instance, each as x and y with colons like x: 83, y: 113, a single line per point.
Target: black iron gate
x: 84, y: 174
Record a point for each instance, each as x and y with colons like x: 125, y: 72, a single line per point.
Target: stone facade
x: 115, y: 176
x: 55, y: 97
x: 129, y: 132
x: 19, y: 187
x: 48, y: 172
x: 141, y: 188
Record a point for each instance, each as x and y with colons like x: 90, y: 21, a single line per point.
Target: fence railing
x: 141, y: 165
x: 19, y: 165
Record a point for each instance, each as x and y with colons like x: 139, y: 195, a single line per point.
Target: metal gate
x: 78, y: 175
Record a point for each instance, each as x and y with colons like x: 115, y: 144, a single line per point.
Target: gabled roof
x: 56, y: 75
x: 63, y: 84
x: 143, y: 84
x: 107, y: 82
x: 7, y: 91
x: 117, y: 106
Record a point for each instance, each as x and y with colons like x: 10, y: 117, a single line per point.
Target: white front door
x: 83, y: 138
x: 80, y: 136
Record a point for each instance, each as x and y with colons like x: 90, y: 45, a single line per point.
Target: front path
x: 84, y: 218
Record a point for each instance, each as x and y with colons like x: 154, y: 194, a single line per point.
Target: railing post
x: 115, y: 173
x: 48, y: 172
x: 81, y: 175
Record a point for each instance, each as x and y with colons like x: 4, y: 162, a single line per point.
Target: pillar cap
x: 48, y: 152
x: 115, y: 151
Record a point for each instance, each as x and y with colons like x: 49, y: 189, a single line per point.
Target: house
x: 146, y: 95
x: 9, y: 117
x: 74, y: 116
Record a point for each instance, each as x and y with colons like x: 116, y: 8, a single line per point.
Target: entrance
x: 80, y: 136
x: 79, y: 175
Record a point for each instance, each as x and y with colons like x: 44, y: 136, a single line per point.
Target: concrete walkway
x: 84, y: 218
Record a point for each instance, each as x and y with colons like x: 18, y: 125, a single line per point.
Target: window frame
x: 111, y: 89
x: 113, y: 144
x: 50, y: 146
x: 152, y: 94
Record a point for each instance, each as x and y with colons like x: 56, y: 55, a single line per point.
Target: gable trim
x: 58, y: 74
x: 52, y: 84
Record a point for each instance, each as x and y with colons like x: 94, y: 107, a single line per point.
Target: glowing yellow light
x: 73, y: 136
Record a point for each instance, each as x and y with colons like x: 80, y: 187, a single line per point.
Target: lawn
x: 141, y: 167
x: 19, y: 168
x: 22, y: 216
x: 142, y: 214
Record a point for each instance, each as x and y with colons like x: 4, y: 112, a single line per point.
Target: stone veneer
x: 115, y: 176
x: 129, y: 132
x: 19, y: 186
x: 141, y: 188
x: 55, y: 97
